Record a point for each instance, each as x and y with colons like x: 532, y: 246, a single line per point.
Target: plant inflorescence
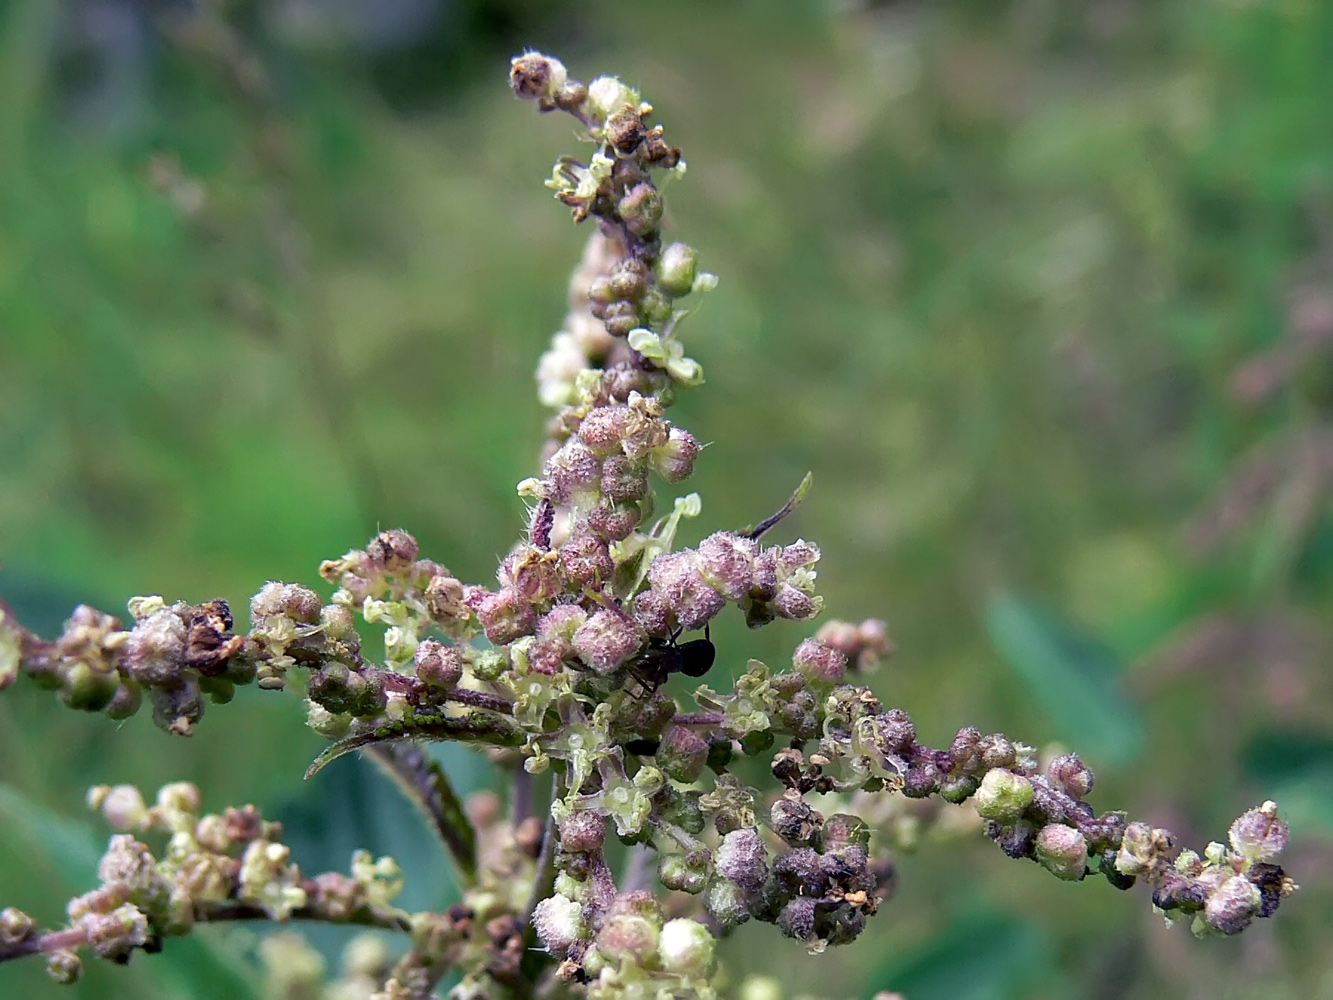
x: 562, y: 672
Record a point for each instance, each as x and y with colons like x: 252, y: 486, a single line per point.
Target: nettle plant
x: 559, y: 671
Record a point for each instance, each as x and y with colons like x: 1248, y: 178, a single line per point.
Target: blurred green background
x: 1042, y: 292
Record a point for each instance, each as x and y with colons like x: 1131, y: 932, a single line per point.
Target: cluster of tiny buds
x: 214, y: 867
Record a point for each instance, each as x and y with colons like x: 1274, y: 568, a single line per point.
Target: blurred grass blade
x: 1072, y: 676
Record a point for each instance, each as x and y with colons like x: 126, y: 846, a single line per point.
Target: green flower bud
x: 679, y: 872
x: 676, y: 269
x: 725, y: 902
x: 560, y: 923
x: 87, y: 689
x: 1062, y: 851
x: 1003, y: 796
x: 65, y: 967
x: 628, y: 938
x: 15, y: 926
x: 682, y: 754
x: 686, y: 948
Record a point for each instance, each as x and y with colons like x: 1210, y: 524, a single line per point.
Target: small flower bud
x: 996, y: 751
x: 1003, y: 796
x: 64, y: 966
x: 629, y: 938
x: 177, y: 708
x: 821, y: 664
x: 560, y: 923
x: 641, y: 208
x: 726, y: 562
x: 676, y: 577
x: 608, y: 639
x: 155, y: 650
x: 624, y: 480
x: 725, y: 903
x: 506, y: 616
x: 794, y: 604
x: 15, y: 926
x: 676, y: 269
x: 1258, y: 834
x: 531, y: 573
x: 572, y: 473
x: 607, y: 95
x: 794, y: 820
x: 1070, y: 775
x: 438, y: 665
x: 85, y: 688
x: 674, y: 461
x: 122, y: 805
x: 603, y: 429
x: 628, y: 279
x: 392, y: 551
x: 742, y: 859
x: 686, y: 948
x: 1144, y: 849
x: 652, y: 611
x: 678, y: 872
x: 892, y: 732
x: 1232, y: 905
x: 582, y: 831
x: 842, y: 830
x: 682, y: 754
x: 533, y: 76
x: 620, y: 317
x: 613, y: 521
x: 116, y: 934
x: 1062, y: 851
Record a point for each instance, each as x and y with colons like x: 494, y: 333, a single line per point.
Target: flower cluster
x: 563, y: 667
x: 227, y: 866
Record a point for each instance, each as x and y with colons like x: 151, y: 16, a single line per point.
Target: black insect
x: 665, y: 657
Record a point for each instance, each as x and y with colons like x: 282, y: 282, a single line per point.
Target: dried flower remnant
x: 566, y: 664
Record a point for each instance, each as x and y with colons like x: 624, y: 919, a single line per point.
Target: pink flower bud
x: 822, y: 664
x: 585, y: 561
x: 155, y: 650
x: 392, y: 551
x: 572, y: 472
x: 794, y: 605
x: 726, y: 561
x: 613, y: 521
x: 605, y: 427
x: 438, y: 665
x: 676, y: 576
x: 608, y: 639
x: 674, y: 461
x: 505, y: 616
x: 652, y: 611
x: 623, y: 479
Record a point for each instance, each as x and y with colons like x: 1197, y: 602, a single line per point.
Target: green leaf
x: 471, y: 727
x: 983, y: 956
x: 1071, y: 675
